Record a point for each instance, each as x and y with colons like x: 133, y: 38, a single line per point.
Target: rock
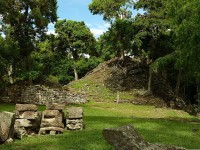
x: 75, y: 113
x: 48, y: 129
x: 51, y: 121
x: 52, y: 133
x: 55, y: 106
x: 6, y: 126
x: 24, y: 123
x: 32, y: 115
x: 9, y: 141
x: 124, y: 138
x: 26, y: 107
x: 74, y: 124
x: 20, y: 133
x: 127, y: 138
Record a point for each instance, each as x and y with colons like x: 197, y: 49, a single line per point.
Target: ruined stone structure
x: 27, y: 120
x: 52, y: 119
x: 74, y: 119
x: 39, y: 95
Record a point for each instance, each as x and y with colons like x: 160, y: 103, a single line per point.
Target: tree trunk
x: 75, y: 73
x: 117, y: 97
x: 10, y: 73
x: 177, y: 88
x: 150, y: 82
x: 122, y: 54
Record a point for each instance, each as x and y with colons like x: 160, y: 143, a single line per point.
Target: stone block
x: 55, y: 106
x: 7, y: 121
x: 48, y: 129
x: 51, y: 114
x: 20, y: 132
x: 25, y: 123
x: 75, y: 113
x: 32, y: 115
x: 26, y: 107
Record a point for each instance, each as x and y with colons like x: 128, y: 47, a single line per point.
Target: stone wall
x: 39, y: 94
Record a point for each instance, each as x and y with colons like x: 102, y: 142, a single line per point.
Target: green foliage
x: 111, y: 8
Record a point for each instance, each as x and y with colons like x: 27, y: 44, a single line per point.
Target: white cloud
x: 99, y: 29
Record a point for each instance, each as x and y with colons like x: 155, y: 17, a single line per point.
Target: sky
x: 78, y: 10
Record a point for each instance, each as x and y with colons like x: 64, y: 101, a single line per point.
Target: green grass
x: 156, y: 125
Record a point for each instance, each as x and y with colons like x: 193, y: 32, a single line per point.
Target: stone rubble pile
x: 27, y: 120
x: 52, y: 119
x: 74, y: 119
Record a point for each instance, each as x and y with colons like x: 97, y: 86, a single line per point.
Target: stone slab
x: 55, y: 106
x: 26, y: 107
x: 7, y: 121
x: 75, y: 113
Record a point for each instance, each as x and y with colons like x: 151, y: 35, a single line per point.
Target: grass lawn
x: 156, y: 125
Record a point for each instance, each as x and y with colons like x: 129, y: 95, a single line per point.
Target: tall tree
x: 28, y: 21
x: 74, y: 39
x: 153, y: 31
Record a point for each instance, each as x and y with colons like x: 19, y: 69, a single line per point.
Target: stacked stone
x: 27, y: 120
x: 74, y: 119
x: 52, y: 119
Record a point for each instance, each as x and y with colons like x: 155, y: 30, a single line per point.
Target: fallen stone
x: 75, y: 113
x: 7, y: 121
x: 26, y: 107
x: 55, y: 106
x: 9, y: 141
x: 127, y: 138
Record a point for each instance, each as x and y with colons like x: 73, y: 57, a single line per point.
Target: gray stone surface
x: 75, y: 113
x: 51, y: 121
x: 55, y: 106
x: 24, y: 123
x: 127, y: 138
x: 32, y: 115
x: 20, y: 132
x: 40, y: 95
x: 26, y: 107
x: 7, y: 121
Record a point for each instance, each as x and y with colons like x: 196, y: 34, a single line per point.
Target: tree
x: 28, y: 21
x: 153, y: 28
x: 74, y: 39
x: 117, y: 11
x: 111, y: 9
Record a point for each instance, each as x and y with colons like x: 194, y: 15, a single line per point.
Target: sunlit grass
x: 156, y: 125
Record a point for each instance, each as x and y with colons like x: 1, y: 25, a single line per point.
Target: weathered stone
x: 51, y: 114
x: 32, y: 115
x: 75, y: 113
x: 7, y: 121
x: 20, y: 132
x: 25, y: 123
x: 127, y: 138
x: 77, y: 126
x: 124, y: 138
x: 48, y: 129
x: 52, y: 124
x: 52, y: 133
x: 26, y: 107
x: 55, y: 106
x: 9, y: 141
